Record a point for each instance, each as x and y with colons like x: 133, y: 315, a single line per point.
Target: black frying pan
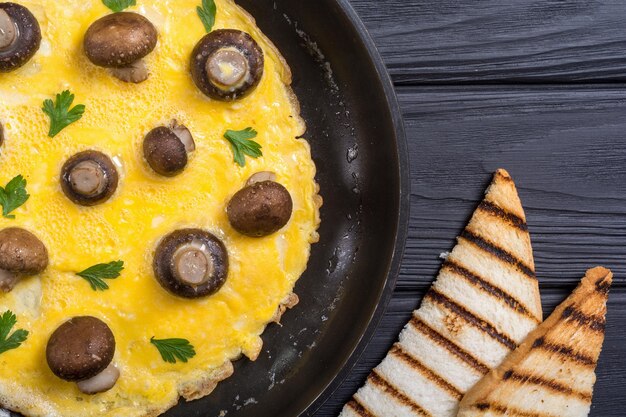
x: 350, y: 108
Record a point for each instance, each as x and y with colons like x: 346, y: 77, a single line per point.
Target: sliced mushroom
x: 227, y: 64
x: 260, y: 209
x: 166, y: 149
x: 21, y: 254
x: 80, y: 349
x: 20, y: 36
x: 89, y: 178
x: 1, y: 134
x: 120, y: 41
x: 191, y: 263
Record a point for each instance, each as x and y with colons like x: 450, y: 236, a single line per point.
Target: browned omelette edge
x: 204, y: 386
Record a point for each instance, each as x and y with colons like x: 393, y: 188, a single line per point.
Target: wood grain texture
x: 452, y: 41
x: 565, y: 148
x: 556, y: 123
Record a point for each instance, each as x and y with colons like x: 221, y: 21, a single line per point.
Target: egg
x: 145, y: 208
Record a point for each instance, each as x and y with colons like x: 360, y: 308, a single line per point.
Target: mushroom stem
x: 88, y: 178
x: 136, y: 73
x: 227, y: 68
x: 102, y: 382
x: 227, y: 64
x: 184, y: 135
x: 260, y: 177
x: 8, y: 30
x: 7, y: 280
x: 193, y: 264
x: 20, y: 36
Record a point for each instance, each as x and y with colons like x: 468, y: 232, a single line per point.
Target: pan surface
x: 357, y: 140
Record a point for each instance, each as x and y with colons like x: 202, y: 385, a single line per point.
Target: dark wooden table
x: 533, y: 86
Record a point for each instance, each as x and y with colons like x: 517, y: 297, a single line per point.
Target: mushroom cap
x: 260, y: 209
x: 119, y: 39
x: 177, y: 254
x: 85, y: 169
x: 80, y: 348
x: 227, y: 44
x: 22, y: 252
x: 27, y: 40
x: 164, y: 151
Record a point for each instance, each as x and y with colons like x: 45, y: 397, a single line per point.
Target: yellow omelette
x: 145, y: 208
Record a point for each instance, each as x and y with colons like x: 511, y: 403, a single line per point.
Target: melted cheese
x: 145, y: 208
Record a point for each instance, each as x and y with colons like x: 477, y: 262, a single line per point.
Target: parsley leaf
x: 242, y: 145
x: 97, y: 273
x: 173, y: 349
x: 119, y: 5
x: 7, y: 321
x: 13, y: 195
x: 61, y: 116
x: 207, y: 12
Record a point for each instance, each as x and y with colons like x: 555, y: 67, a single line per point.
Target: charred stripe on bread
x: 594, y: 323
x: 428, y: 373
x: 523, y: 378
x: 358, y: 408
x: 497, y: 292
x: 382, y: 384
x: 498, y: 252
x: 500, y: 213
x: 470, y: 318
x: 564, y: 351
x: 553, y: 369
x: 510, y: 411
x: 419, y: 325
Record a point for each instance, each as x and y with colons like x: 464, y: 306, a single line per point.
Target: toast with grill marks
x: 553, y: 372
x: 483, y: 304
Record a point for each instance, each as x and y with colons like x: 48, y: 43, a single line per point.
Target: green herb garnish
x: 97, y: 273
x: 242, y: 145
x: 119, y: 5
x: 61, y: 116
x: 7, y: 321
x: 173, y: 349
x: 13, y: 195
x: 207, y: 12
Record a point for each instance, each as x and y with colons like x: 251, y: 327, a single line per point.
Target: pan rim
x: 403, y: 215
x: 399, y: 235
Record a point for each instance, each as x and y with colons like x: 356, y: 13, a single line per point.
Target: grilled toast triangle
x: 552, y: 373
x: 483, y: 304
